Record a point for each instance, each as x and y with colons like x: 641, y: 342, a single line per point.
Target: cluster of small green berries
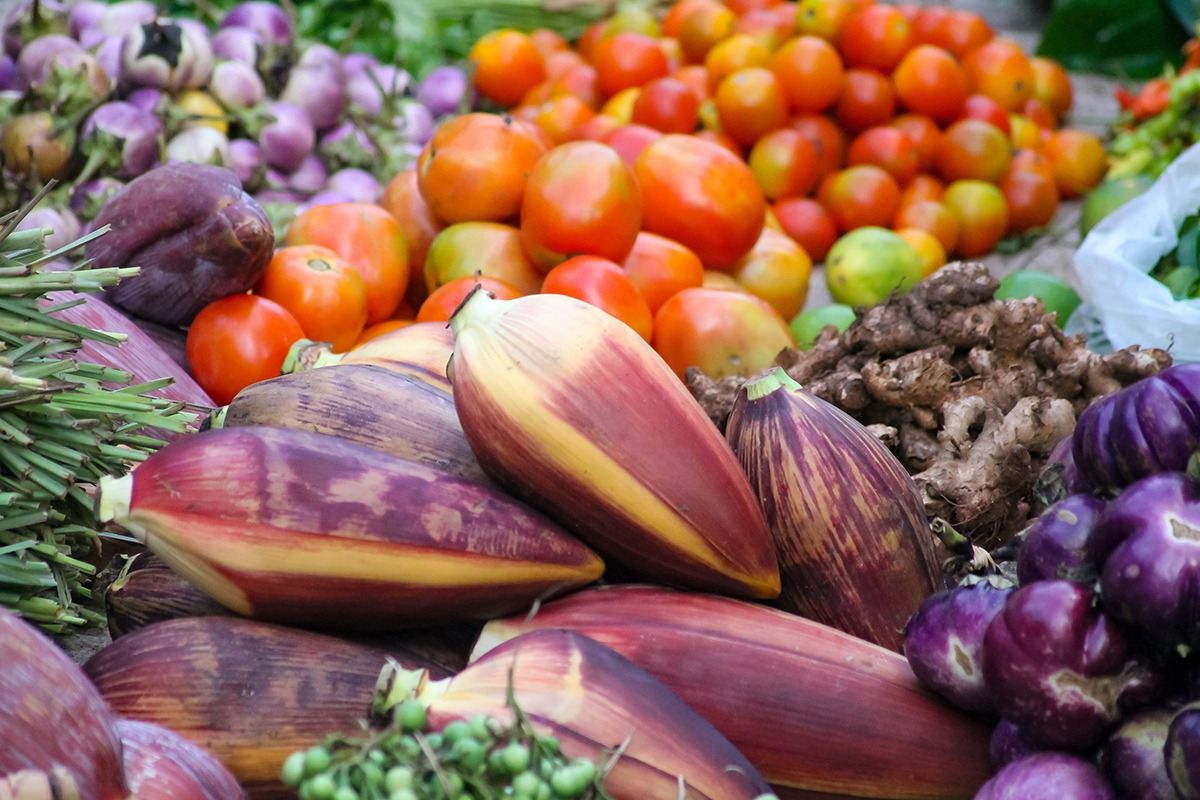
x: 475, y: 759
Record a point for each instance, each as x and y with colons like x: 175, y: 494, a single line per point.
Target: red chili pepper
x: 1125, y: 98
x: 1152, y: 99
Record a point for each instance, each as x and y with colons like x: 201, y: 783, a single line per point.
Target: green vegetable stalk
x: 64, y: 424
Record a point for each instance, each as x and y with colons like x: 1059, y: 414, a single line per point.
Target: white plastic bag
x: 1123, y: 305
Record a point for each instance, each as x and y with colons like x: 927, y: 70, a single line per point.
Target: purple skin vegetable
x: 1182, y: 752
x: 315, y: 85
x: 1009, y: 743
x: 370, y: 89
x: 288, y: 138
x: 416, y: 122
x: 237, y: 43
x: 33, y: 64
x: 310, y: 177
x: 1062, y: 668
x: 943, y: 641
x: 200, y: 145
x: 63, y: 223
x: 443, y: 90
x: 1148, y: 542
x: 1047, y: 776
x: 236, y: 85
x: 84, y: 15
x: 357, y: 184
x: 166, y: 55
x: 120, y: 138
x: 120, y: 18
x: 9, y: 81
x: 268, y: 20
x: 1132, y: 756
x: 1055, y: 543
x: 247, y: 162
x: 1150, y: 426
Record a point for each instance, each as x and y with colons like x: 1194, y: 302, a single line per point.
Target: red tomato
x: 930, y: 81
x: 701, y: 195
x: 474, y: 167
x: 867, y: 99
x: 444, y: 301
x: 630, y: 140
x: 875, y: 37
x: 239, y: 340
x: 750, y: 102
x: 666, y: 104
x: 369, y: 240
x: 860, y: 195
x: 722, y: 333
x: 785, y: 164
x: 659, y: 267
x: 402, y: 198
x: 626, y: 59
x: 605, y: 285
x: 506, y: 64
x: 811, y: 72
x: 581, y: 197
x: 889, y: 147
x: 807, y: 222
x: 321, y: 291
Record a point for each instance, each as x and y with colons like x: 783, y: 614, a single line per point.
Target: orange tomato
x: 722, y: 333
x: 875, y: 37
x: 1000, y: 70
x: 659, y: 267
x: 749, y: 103
x: 605, y: 285
x: 737, y: 52
x: 580, y: 198
x: 825, y: 18
x: 506, y: 63
x: 474, y: 167
x: 402, y: 199
x: 808, y: 223
x: 702, y: 27
x: 628, y: 59
x: 326, y: 296
x: 930, y: 81
x: 867, y: 99
x: 784, y: 162
x: 445, y: 300
x: 922, y: 187
x: 371, y: 243
x: 701, y: 195
x: 811, y: 72
x: 927, y: 247
x: 886, y: 146
x: 827, y: 137
x: 776, y: 269
x: 666, y: 104
x: 859, y: 196
x: 933, y: 217
x: 972, y: 148
x: 1032, y: 198
x: 982, y: 215
x: 925, y: 135
x: 487, y: 248
x: 1078, y: 159
x: 1052, y: 86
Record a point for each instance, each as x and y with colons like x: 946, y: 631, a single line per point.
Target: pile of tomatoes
x: 684, y: 171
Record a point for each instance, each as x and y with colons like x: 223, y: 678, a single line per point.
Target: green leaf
x: 1125, y: 38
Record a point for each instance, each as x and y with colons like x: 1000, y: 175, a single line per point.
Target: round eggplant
x: 1133, y: 757
x: 1148, y: 543
x: 1009, y: 743
x: 1182, y: 752
x: 943, y: 642
x: 1055, y: 544
x: 1148, y: 427
x: 1060, y: 667
x: 1047, y: 776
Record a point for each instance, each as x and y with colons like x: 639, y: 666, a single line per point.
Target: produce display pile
x: 440, y: 413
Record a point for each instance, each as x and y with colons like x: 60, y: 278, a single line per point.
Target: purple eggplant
x: 199, y: 145
x: 1182, y: 752
x: 33, y: 64
x: 247, y: 162
x: 1010, y: 742
x: 943, y: 641
x: 375, y: 86
x: 196, y: 235
x: 1150, y: 426
x: 308, y: 178
x: 347, y: 146
x: 268, y: 20
x: 236, y: 85
x: 1132, y: 757
x: 1148, y: 543
x: 287, y: 138
x: 415, y: 121
x: 1062, y: 668
x: 315, y: 86
x: 121, y: 139
x: 237, y: 43
x: 1047, y: 776
x: 121, y: 18
x: 357, y: 184
x: 326, y: 198
x: 83, y: 16
x: 89, y: 197
x: 9, y: 80
x: 444, y: 90
x: 1055, y: 543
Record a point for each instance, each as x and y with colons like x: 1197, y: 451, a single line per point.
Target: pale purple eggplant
x: 160, y: 764
x: 347, y: 146
x: 166, y: 54
x: 108, y: 56
x: 357, y: 184
x: 943, y: 642
x: 62, y: 221
x: 247, y: 162
x: 73, y: 82
x: 1055, y: 543
x: 308, y: 178
x: 415, y: 121
x: 268, y: 20
x: 315, y: 85
x: 236, y: 85
x: 1148, y: 543
x: 1150, y: 426
x: 199, y: 145
x: 85, y: 15
x: 354, y: 63
x: 121, y: 18
x: 90, y: 196
x: 444, y: 90
x: 1048, y: 776
x: 1058, y: 665
x: 148, y: 99
x: 120, y: 139
x: 1182, y: 752
x: 288, y: 137
x: 196, y: 235
x: 375, y: 86
x: 9, y: 80
x: 1133, y: 760
x: 325, y: 198
x: 1009, y: 742
x: 237, y: 43
x: 33, y: 64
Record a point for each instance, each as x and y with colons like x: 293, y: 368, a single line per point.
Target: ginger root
x: 971, y: 393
